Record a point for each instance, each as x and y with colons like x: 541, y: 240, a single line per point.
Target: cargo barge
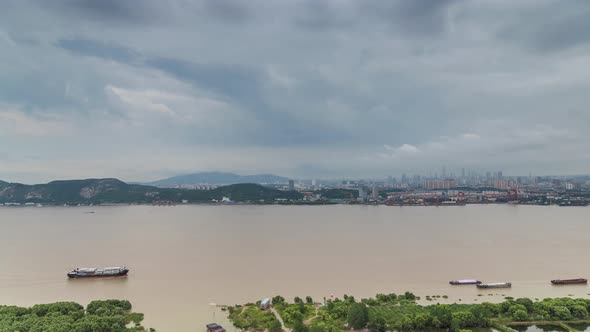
x: 465, y: 282
x: 91, y: 272
x: 496, y: 285
x: 569, y: 281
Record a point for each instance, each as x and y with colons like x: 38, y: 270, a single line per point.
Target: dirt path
x: 280, y: 320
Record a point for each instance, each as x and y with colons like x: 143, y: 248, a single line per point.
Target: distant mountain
x: 101, y: 191
x: 218, y: 178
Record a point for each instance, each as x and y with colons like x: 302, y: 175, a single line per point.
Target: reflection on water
x: 183, y: 258
x: 584, y: 327
x: 539, y: 328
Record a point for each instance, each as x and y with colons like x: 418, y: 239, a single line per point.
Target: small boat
x: 214, y: 327
x: 91, y: 272
x: 569, y: 281
x: 496, y: 285
x: 465, y: 282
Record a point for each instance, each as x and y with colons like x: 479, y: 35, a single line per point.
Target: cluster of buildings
x: 464, y: 187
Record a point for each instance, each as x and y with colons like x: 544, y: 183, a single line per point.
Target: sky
x: 141, y: 90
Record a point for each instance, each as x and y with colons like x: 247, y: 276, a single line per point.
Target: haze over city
x: 142, y: 90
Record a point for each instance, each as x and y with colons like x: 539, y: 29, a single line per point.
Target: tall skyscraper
x: 291, y: 185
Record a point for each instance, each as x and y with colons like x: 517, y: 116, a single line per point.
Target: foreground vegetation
x: 99, y: 316
x: 401, y: 312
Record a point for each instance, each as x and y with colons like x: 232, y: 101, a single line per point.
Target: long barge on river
x: 495, y: 285
x: 465, y: 282
x: 569, y: 281
x: 92, y: 272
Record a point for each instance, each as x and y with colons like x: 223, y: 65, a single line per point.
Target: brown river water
x: 185, y: 258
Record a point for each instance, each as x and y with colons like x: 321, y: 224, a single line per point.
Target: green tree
x: 278, y: 300
x: 409, y: 296
x: 464, y: 319
x: 275, y: 326
x: 516, y: 307
x: 378, y: 324
x: 520, y: 315
x: 527, y: 303
x: 358, y: 316
x: 308, y: 300
x: 579, y: 311
x: 297, y: 299
x: 560, y: 312
x: 298, y: 326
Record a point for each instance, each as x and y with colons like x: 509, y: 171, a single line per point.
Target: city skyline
x: 304, y: 89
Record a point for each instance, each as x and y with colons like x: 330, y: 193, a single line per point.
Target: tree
x: 297, y: 299
x: 560, y: 312
x: 358, y: 316
x: 275, y: 326
x: 410, y: 296
x: 464, y: 319
x: 278, y: 300
x: 528, y: 303
x: 516, y: 307
x: 520, y: 315
x: 378, y: 324
x: 309, y: 300
x: 579, y: 311
x: 298, y: 326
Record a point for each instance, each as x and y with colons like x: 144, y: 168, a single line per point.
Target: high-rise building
x: 291, y: 185
x: 375, y: 193
x: 463, y: 172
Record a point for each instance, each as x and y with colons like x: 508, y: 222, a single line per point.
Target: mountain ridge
x: 218, y: 178
x: 110, y: 190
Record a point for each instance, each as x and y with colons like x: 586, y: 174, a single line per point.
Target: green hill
x: 102, y: 191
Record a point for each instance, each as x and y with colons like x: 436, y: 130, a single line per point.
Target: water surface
x: 183, y: 258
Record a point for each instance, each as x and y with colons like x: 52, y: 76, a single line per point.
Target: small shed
x: 265, y: 303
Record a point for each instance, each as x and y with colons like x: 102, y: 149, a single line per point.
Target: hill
x: 104, y: 191
x: 218, y: 178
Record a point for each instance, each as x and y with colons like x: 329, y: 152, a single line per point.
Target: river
x: 185, y: 258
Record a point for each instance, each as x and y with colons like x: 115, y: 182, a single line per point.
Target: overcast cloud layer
x: 337, y: 88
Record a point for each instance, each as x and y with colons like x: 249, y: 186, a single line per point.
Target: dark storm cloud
x: 419, y: 18
x: 233, y: 11
x: 119, y: 11
x: 552, y: 27
x: 232, y: 80
x: 426, y: 17
x: 107, y: 51
x: 432, y: 80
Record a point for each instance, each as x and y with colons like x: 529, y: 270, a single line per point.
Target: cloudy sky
x: 141, y: 90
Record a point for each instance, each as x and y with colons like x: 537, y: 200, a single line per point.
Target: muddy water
x: 185, y: 258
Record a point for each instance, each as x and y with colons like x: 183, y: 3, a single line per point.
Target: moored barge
x: 91, y: 272
x: 569, y: 281
x: 465, y: 282
x: 496, y: 285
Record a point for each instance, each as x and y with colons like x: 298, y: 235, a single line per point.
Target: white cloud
x: 408, y: 148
